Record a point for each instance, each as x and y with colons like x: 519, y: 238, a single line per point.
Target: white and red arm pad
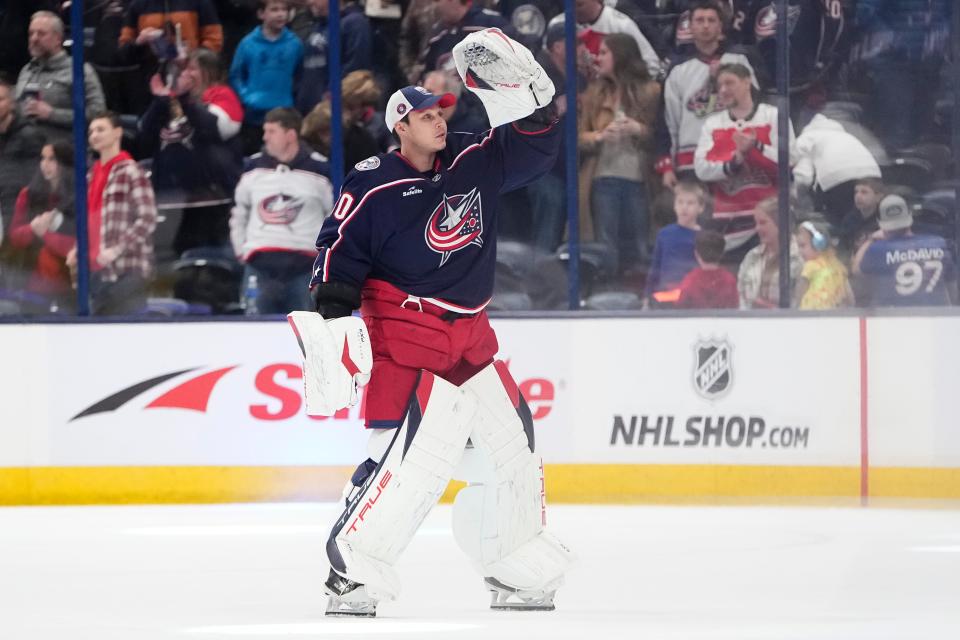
x: 337, y: 360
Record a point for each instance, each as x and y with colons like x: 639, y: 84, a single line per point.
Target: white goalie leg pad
x: 499, y: 519
x: 377, y: 445
x: 383, y: 516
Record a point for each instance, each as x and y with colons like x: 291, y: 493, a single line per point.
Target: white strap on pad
x: 337, y: 360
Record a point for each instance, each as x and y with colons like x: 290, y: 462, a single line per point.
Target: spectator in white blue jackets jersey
x: 281, y: 200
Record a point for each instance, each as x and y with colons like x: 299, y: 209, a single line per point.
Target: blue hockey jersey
x: 432, y: 235
x: 909, y: 271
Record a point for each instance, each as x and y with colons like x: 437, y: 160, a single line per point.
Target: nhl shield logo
x: 713, y: 368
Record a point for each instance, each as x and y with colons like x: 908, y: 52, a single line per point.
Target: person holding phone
x: 45, y: 83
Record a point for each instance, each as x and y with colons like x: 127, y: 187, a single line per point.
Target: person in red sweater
x: 708, y: 286
x: 121, y: 218
x: 43, y: 231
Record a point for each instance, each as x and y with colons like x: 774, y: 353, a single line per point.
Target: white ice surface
x: 650, y: 572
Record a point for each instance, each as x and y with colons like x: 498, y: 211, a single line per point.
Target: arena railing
x: 946, y: 109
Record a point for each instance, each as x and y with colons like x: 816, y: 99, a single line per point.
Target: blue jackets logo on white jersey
x: 457, y: 222
x: 279, y: 209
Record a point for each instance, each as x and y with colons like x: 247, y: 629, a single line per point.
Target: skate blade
x: 347, y: 599
x: 505, y: 598
x: 501, y: 601
x: 351, y: 614
x: 522, y: 606
x: 347, y: 609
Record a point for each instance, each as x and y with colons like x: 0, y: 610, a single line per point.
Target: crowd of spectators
x: 215, y: 116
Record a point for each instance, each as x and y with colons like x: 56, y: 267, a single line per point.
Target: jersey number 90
x: 834, y: 8
x: 343, y: 206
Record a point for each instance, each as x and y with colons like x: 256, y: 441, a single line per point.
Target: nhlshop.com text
x: 706, y: 431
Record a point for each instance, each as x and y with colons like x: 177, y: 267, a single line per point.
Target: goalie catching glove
x: 337, y: 360
x: 503, y: 74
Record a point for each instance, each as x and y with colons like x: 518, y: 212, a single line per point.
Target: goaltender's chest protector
x: 446, y: 221
x: 430, y: 234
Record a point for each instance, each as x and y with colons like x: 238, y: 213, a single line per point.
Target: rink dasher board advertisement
x: 696, y: 391
x: 724, y: 391
x: 624, y: 409
x: 914, y: 404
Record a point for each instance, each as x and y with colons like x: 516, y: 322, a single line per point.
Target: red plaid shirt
x: 127, y: 220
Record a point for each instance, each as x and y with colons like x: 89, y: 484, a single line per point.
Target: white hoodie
x: 831, y: 156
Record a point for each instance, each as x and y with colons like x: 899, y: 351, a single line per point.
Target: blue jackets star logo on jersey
x: 457, y: 222
x: 766, y: 23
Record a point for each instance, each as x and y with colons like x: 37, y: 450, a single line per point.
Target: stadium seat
x: 209, y: 276
x: 938, y: 155
x: 613, y: 301
x: 518, y: 257
x: 935, y: 213
x: 909, y: 171
x: 9, y: 308
x: 165, y: 307
x: 510, y: 302
x: 596, y: 265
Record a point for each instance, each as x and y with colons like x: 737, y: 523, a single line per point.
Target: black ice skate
x: 504, y: 598
x: 348, y: 598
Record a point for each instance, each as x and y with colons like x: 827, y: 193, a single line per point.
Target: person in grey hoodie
x: 45, y: 83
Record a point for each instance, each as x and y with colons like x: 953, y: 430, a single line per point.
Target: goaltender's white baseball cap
x: 413, y: 98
